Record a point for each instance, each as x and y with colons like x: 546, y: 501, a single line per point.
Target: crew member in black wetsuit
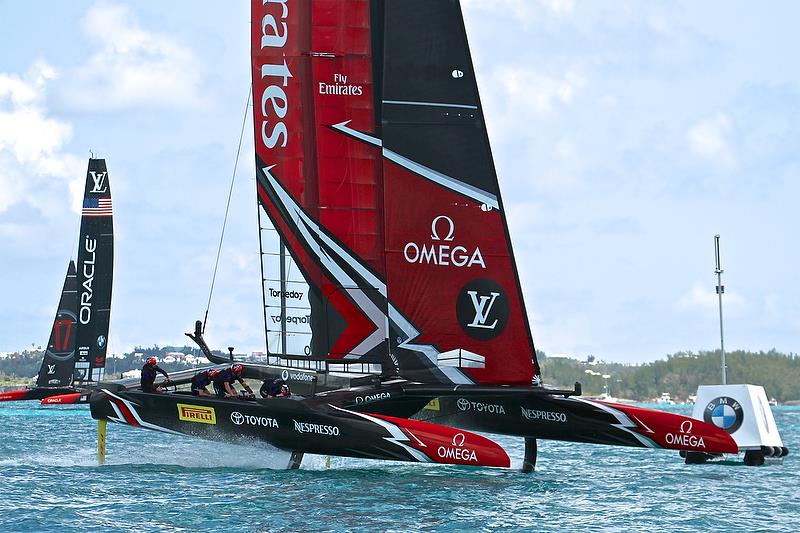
x: 223, y: 381
x: 276, y: 388
x: 200, y: 381
x: 149, y: 376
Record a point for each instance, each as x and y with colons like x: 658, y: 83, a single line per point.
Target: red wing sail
x: 383, y: 233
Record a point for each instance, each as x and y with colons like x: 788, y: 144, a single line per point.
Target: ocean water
x: 158, y: 482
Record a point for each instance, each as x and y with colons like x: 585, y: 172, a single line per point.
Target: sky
x: 625, y: 134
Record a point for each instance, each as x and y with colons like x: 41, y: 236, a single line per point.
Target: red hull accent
x: 448, y: 445
x: 62, y: 399
x: 678, y: 432
x: 14, y: 395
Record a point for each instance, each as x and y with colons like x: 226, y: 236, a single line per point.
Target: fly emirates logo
x: 443, y: 249
x: 275, y: 77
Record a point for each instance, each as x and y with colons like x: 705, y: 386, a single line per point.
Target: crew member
x: 149, y: 376
x: 223, y: 381
x: 276, y: 388
x: 199, y: 383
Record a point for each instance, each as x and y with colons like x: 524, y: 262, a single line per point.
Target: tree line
x: 679, y: 375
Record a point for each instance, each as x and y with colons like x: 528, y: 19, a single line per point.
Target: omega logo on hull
x: 685, y: 437
x: 457, y: 451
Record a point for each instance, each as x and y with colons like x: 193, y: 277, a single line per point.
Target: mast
x: 720, y: 289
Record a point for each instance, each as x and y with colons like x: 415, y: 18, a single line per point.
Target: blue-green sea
x: 158, y: 482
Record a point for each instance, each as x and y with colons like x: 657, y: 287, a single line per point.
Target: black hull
x: 296, y: 425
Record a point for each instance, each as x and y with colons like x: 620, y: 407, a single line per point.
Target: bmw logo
x: 724, y: 412
x: 463, y: 404
x: 101, y: 341
x: 237, y: 418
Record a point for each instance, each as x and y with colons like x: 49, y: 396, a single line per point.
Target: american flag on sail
x: 97, y: 207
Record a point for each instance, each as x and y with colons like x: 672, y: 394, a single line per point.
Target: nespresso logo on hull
x: 273, y: 100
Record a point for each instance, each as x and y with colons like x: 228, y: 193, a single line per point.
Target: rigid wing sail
x: 75, y: 357
x: 386, y: 251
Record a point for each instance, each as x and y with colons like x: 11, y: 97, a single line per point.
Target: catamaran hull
x: 36, y: 393
x: 298, y: 426
x: 534, y: 413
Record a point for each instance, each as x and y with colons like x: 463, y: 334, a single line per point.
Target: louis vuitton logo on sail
x: 438, y: 253
x: 99, y: 182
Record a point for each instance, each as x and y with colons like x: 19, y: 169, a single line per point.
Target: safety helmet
x: 237, y: 370
x: 152, y: 361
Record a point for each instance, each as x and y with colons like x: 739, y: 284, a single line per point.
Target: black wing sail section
x: 95, y: 274
x: 451, y: 274
x: 59, y: 357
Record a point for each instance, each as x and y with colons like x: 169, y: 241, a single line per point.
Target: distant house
x: 135, y: 373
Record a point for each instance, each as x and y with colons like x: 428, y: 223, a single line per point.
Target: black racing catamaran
x: 385, y: 251
x: 74, y: 361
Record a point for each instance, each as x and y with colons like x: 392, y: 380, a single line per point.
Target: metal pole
x: 720, y: 289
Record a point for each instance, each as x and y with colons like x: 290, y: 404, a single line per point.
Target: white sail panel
x: 287, y: 307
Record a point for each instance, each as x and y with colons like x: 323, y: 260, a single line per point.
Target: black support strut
x: 529, y: 461
x: 295, y: 460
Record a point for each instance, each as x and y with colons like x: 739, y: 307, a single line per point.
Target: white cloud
x: 133, y: 67
x: 709, y: 138
x: 536, y: 92
x: 33, y: 167
x: 700, y: 296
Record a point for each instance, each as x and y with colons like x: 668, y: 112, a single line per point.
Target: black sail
x: 95, y: 274
x: 59, y: 358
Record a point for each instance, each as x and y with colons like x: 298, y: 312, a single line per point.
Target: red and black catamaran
x: 385, y: 249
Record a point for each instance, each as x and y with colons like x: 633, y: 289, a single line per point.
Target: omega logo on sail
x: 85, y: 314
x: 274, y: 35
x: 440, y: 254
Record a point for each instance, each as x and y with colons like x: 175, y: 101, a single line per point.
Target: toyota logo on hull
x: 261, y: 421
x: 480, y: 407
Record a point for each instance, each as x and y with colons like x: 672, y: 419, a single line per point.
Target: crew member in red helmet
x: 149, y: 376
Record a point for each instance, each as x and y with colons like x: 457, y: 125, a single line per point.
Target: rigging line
x: 228, y: 206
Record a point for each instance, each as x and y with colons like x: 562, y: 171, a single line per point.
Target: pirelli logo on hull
x: 197, y: 413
